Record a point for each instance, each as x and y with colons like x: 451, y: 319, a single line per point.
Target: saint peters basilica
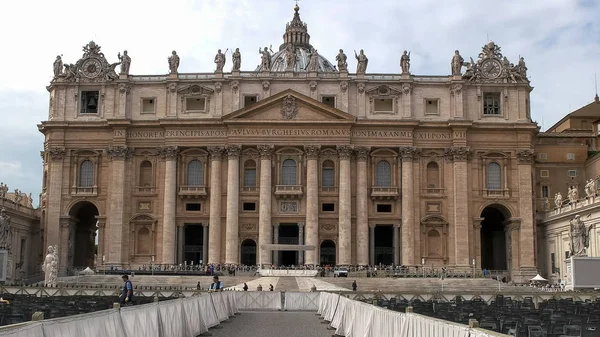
x: 297, y: 161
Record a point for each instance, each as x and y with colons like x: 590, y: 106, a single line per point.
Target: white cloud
x: 558, y: 38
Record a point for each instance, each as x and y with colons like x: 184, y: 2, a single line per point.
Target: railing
x: 249, y: 189
x: 384, y: 192
x: 144, y: 190
x: 492, y: 193
x: 434, y: 191
x: 88, y: 191
x: 328, y: 189
x: 192, y: 191
x: 288, y: 190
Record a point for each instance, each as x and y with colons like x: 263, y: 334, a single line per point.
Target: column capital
x: 525, y: 156
x: 205, y: 224
x: 275, y: 225
x: 312, y: 151
x: 457, y: 153
x: 168, y: 152
x: 409, y: 153
x: 512, y: 224
x: 57, y: 153
x: 362, y: 153
x: 119, y: 152
x: 215, y: 152
x: 372, y: 225
x: 345, y: 151
x: 233, y: 151
x: 301, y: 224
x: 100, y: 221
x: 477, y: 223
x: 265, y: 151
x: 397, y: 225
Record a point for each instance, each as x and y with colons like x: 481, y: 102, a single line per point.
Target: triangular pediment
x: 289, y: 106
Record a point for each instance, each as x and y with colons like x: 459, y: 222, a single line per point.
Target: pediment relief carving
x: 85, y: 153
x: 194, y: 152
x: 384, y: 153
x: 195, y: 90
x: 250, y: 153
x: 146, y: 153
x: 328, y: 153
x: 142, y: 217
x: 289, y: 151
x: 434, y: 219
x: 493, y: 154
x: 383, y: 91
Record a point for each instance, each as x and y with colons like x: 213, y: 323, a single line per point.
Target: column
x: 312, y: 202
x: 372, y: 244
x: 362, y: 207
x: 169, y: 153
x: 65, y: 246
x: 204, y: 243
x: 408, y: 225
x: 459, y: 156
x: 101, y: 221
x: 55, y: 181
x: 396, y: 242
x: 512, y: 229
x: 275, y: 241
x: 345, y: 213
x: 214, y: 234
x: 180, y: 242
x: 232, y: 244
x: 301, y: 243
x: 477, y: 242
x: 118, y: 243
x: 265, y: 229
x: 526, y: 238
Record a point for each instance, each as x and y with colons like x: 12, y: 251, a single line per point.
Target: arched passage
x: 327, y: 253
x: 248, y: 252
x: 82, y: 244
x: 493, y: 238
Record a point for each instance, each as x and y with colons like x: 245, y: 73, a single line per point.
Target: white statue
x: 590, y: 189
x: 546, y: 204
x: 5, y: 230
x: 50, y: 266
x: 573, y: 195
x: 558, y: 199
x: 580, y: 236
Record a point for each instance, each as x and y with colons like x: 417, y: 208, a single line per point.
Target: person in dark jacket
x: 127, y: 294
x: 245, y: 287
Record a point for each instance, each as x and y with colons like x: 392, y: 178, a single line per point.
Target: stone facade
x: 206, y: 166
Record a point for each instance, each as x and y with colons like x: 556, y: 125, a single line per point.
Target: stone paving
x: 271, y: 324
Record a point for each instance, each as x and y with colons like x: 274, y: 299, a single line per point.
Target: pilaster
x: 477, y: 241
x: 204, y: 243
x: 265, y: 229
x: 101, y: 224
x: 275, y: 241
x: 526, y: 210
x: 56, y: 156
x: 233, y: 205
x: 459, y: 156
x: 408, y: 155
x: 214, y: 231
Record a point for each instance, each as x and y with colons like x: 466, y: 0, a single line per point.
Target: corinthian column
x: 345, y: 200
x: 233, y: 205
x: 265, y: 229
x: 408, y: 219
x: 169, y: 153
x: 312, y: 202
x: 362, y: 201
x: 526, y: 233
x: 459, y: 156
x: 214, y: 222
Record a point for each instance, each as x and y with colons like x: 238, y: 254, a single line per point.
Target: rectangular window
x: 329, y: 100
x: 553, y: 262
x: 249, y: 206
x: 328, y: 177
x: 148, y: 105
x: 491, y: 103
x: 545, y: 191
x: 570, y: 156
x: 89, y: 102
x: 572, y: 173
x: 250, y: 177
x: 195, y: 104
x: 542, y: 156
x: 193, y: 207
x: 432, y: 106
x: 384, y: 105
x: 329, y: 207
x: 250, y: 99
x: 544, y: 173
x: 384, y: 208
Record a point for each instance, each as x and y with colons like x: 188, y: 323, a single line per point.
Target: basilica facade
x: 238, y: 167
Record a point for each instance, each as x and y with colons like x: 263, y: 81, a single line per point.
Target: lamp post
x: 473, y: 264
x: 103, y: 264
x: 152, y: 265
x: 423, y: 266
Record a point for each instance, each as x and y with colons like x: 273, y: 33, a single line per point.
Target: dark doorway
x: 493, y: 239
x: 193, y: 238
x: 248, y: 252
x: 327, y: 253
x: 288, y: 235
x: 384, y: 245
x: 82, y: 239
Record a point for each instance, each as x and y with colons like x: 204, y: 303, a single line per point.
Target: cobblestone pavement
x: 271, y: 324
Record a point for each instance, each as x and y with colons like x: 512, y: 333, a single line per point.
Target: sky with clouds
x: 560, y: 40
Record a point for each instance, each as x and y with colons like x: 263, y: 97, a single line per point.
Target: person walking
x: 354, y: 286
x: 127, y: 293
x: 270, y: 287
x: 245, y: 287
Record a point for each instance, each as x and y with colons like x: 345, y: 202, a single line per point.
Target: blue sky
x: 560, y: 40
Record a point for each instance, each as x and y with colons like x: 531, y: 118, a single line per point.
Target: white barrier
x: 302, y: 301
x: 258, y: 300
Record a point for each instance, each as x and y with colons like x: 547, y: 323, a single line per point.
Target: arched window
x: 328, y: 174
x: 194, y: 173
x: 86, y: 174
x: 250, y: 173
x: 383, y: 174
x: 493, y: 176
x: 146, y: 173
x: 143, y: 241
x: 433, y: 175
x: 288, y: 172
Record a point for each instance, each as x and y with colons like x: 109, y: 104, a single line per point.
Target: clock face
x: 491, y: 68
x: 91, y: 68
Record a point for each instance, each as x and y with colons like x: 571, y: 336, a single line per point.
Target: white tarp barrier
x: 357, y: 320
x: 220, y: 308
x: 207, y: 310
x: 258, y: 300
x: 339, y: 312
x: 140, y: 320
x: 427, y: 326
x: 329, y: 304
x: 232, y: 302
x: 172, y: 320
x: 194, y: 320
x: 388, y: 323
x: 23, y: 330
x: 302, y: 301
x: 106, y: 323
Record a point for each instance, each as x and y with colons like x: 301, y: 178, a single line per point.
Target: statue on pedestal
x: 546, y: 204
x: 457, y: 63
x: 405, y: 62
x: 125, y: 62
x: 5, y: 230
x: 341, y: 59
x: 290, y: 57
x: 50, y: 266
x: 3, y: 190
x: 573, y: 195
x: 220, y: 60
x: 58, y: 66
x: 363, y: 62
x: 590, y: 189
x: 558, y: 200
x: 313, y: 63
x: 579, y: 235
x: 236, y: 58
x: 265, y: 59
x: 173, y: 62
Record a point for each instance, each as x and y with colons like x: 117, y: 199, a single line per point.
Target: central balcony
x: 496, y: 193
x: 190, y: 191
x: 384, y: 193
x: 288, y: 191
x: 84, y: 191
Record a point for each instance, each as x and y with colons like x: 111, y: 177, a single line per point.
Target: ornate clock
x: 91, y: 68
x: 491, y: 68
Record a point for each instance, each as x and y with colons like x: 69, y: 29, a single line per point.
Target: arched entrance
x: 248, y: 252
x: 82, y: 238
x: 327, y: 253
x: 493, y: 238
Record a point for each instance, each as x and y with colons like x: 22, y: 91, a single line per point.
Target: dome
x: 296, y: 41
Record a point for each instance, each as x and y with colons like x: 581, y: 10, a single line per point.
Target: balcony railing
x: 328, y: 189
x: 384, y: 192
x: 249, y: 189
x: 288, y: 191
x: 493, y: 193
x: 144, y: 190
x: 192, y: 191
x: 84, y: 191
x: 434, y: 192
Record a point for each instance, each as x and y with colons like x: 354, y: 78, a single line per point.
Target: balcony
x: 434, y: 192
x: 189, y: 191
x: 288, y: 191
x: 328, y: 190
x: 84, y: 191
x: 144, y: 190
x: 249, y: 190
x: 384, y: 193
x: 496, y: 194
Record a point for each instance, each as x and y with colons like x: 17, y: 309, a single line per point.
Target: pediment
x: 291, y: 107
x: 195, y: 90
x: 434, y: 219
x: 383, y: 90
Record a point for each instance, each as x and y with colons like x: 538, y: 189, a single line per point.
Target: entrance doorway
x: 193, y: 238
x: 327, y: 250
x: 384, y: 245
x: 288, y: 235
x: 82, y: 238
x: 248, y: 253
x: 493, y: 238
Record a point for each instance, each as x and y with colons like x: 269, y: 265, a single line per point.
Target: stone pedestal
x: 568, y: 279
